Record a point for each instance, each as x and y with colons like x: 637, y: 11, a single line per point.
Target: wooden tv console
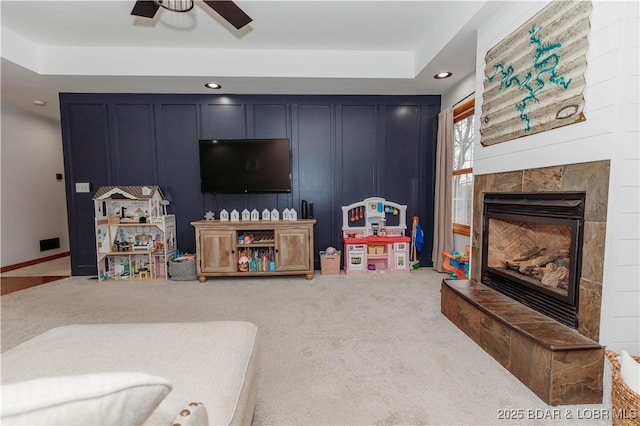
x: 221, y: 245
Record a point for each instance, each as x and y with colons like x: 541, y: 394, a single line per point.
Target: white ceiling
x: 291, y: 47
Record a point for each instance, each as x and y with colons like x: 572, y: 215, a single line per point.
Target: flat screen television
x: 233, y: 166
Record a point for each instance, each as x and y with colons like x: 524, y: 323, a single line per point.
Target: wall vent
x: 50, y: 244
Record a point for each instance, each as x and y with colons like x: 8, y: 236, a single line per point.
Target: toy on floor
x: 455, y: 264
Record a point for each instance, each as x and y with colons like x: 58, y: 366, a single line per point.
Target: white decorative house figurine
x: 275, y: 214
x: 255, y: 215
x: 289, y: 214
x: 209, y: 215
x: 224, y: 215
x: 266, y: 215
x: 246, y: 215
x: 235, y: 216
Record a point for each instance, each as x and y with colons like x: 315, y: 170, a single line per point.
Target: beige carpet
x: 335, y: 350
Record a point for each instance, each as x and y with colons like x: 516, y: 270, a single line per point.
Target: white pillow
x: 91, y: 399
x: 193, y: 414
x: 630, y: 371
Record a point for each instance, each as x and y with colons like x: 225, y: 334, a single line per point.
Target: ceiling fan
x: 227, y: 9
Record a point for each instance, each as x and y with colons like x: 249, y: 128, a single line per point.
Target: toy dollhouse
x: 373, y: 234
x: 134, y: 236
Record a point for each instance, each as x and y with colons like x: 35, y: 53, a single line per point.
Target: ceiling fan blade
x: 146, y: 9
x: 230, y: 12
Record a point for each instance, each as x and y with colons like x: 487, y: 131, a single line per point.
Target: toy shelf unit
x: 254, y: 248
x: 131, y: 243
x: 373, y: 236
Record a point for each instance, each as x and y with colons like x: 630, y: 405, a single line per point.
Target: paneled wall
x: 344, y: 149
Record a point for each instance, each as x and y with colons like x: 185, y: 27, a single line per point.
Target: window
x: 462, y: 187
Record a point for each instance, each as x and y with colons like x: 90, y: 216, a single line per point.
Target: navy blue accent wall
x: 344, y: 149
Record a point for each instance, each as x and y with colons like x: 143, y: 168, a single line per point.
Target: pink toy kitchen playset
x: 373, y: 234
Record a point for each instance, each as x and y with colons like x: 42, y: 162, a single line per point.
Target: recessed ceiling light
x: 38, y: 102
x: 442, y: 75
x: 213, y: 86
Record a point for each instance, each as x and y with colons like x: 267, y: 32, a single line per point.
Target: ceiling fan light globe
x: 175, y: 5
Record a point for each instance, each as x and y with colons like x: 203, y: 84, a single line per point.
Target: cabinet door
x: 217, y: 251
x: 292, y: 249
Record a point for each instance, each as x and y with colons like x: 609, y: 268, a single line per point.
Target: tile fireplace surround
x: 567, y: 382
x: 593, y: 178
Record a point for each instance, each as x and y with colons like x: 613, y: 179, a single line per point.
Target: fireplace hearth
x: 532, y: 250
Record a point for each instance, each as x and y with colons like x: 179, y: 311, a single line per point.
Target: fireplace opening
x: 531, y: 250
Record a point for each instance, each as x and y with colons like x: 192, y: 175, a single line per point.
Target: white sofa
x: 119, y: 368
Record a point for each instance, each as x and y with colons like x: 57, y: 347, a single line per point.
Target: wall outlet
x: 83, y: 187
